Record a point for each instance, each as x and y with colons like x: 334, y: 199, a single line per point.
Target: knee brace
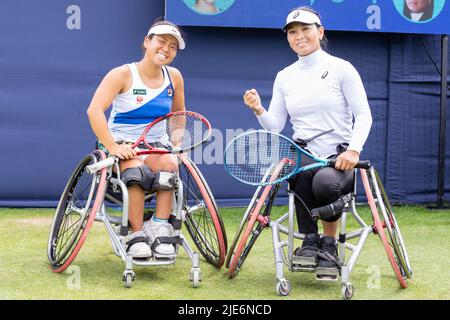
x: 331, y: 212
x: 164, y: 180
x: 141, y: 176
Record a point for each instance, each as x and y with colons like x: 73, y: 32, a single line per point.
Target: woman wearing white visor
x: 318, y: 92
x: 139, y: 93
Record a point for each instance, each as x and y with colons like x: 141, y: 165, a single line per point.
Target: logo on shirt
x: 140, y: 91
x: 139, y: 99
x: 324, y: 74
x: 169, y: 92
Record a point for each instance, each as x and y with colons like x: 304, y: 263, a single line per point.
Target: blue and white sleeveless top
x: 138, y: 106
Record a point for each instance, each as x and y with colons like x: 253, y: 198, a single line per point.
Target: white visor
x: 302, y: 16
x: 167, y: 29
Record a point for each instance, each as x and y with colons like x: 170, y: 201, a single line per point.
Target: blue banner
x: 403, y: 16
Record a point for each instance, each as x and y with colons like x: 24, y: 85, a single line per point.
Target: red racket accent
x: 174, y: 133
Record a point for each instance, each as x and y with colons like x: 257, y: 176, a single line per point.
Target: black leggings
x: 318, y: 187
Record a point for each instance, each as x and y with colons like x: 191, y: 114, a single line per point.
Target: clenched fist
x: 253, y: 101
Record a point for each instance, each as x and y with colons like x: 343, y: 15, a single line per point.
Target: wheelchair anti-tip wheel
x: 386, y: 226
x: 251, y: 226
x: 347, y: 291
x: 76, y: 212
x: 202, y: 219
x: 283, y: 287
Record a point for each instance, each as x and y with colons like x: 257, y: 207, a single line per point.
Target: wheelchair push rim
x: 241, y: 226
x: 81, y: 200
x: 393, y: 230
x: 203, y: 220
x: 379, y: 228
x: 251, y: 226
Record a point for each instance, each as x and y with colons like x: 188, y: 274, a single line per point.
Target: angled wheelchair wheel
x: 203, y: 220
x: 393, y: 229
x: 380, y: 227
x: 77, y: 207
x: 242, y: 226
x: 252, y: 224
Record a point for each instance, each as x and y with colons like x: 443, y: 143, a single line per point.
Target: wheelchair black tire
x: 205, y: 226
x: 63, y: 248
x: 379, y: 227
x: 393, y: 230
x: 251, y: 227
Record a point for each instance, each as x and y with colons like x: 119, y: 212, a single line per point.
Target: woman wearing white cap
x: 139, y: 93
x: 318, y: 92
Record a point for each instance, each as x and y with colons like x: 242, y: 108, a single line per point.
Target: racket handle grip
x: 364, y: 164
x: 101, y: 164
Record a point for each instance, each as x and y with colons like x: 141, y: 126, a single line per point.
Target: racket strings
x: 178, y: 132
x: 261, y: 157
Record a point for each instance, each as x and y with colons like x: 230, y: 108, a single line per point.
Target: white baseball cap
x: 302, y: 16
x: 168, y: 29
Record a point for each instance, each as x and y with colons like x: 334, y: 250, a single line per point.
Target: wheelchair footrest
x: 304, y: 264
x: 153, y: 261
x: 165, y: 257
x: 299, y: 268
x: 327, y: 274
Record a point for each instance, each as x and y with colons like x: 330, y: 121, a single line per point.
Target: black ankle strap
x: 135, y: 240
x: 166, y: 240
x: 329, y: 257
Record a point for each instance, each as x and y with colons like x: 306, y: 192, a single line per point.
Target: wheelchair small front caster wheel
x: 195, y: 277
x: 347, y: 291
x: 128, y: 278
x: 283, y: 287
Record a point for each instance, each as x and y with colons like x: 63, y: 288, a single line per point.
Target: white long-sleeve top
x: 320, y: 92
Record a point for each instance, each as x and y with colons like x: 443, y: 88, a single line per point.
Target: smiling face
x: 304, y: 39
x: 161, y: 49
x: 417, y: 5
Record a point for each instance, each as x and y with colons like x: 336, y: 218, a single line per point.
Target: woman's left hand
x: 347, y: 160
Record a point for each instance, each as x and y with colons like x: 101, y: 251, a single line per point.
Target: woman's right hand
x: 122, y: 151
x: 253, y: 101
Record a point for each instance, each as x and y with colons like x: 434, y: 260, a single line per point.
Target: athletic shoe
x: 137, y: 245
x: 154, y: 230
x: 306, y: 256
x: 328, y: 265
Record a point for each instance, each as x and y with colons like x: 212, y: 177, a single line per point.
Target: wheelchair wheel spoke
x: 203, y: 232
x: 81, y: 197
x: 251, y: 228
x: 202, y: 219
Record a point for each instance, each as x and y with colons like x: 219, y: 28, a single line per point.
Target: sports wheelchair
x: 257, y: 218
x: 88, y: 196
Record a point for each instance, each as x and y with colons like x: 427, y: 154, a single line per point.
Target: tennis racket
x: 173, y: 133
x: 261, y: 158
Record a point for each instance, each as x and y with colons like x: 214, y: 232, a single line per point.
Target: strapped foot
x: 328, y: 266
x: 137, y: 246
x: 161, y: 239
x: 305, y: 258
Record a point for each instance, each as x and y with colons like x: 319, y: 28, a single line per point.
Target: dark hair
x: 427, y: 13
x: 161, y: 21
x: 324, y: 41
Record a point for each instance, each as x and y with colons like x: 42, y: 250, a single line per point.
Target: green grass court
x: 97, y: 272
